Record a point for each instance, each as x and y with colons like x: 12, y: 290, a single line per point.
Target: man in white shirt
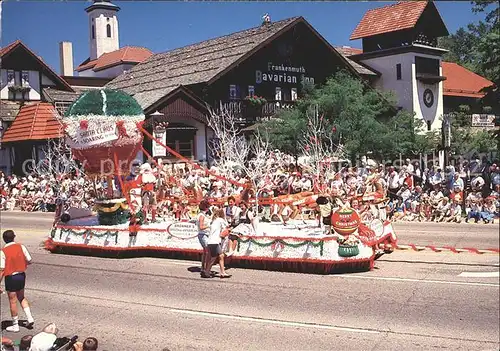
x: 393, y: 182
x: 409, y: 166
x: 477, y: 183
x: 458, y: 183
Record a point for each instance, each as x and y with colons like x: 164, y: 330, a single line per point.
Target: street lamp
x: 158, y: 123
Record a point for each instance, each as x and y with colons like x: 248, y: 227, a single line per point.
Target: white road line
x: 272, y: 321
x: 480, y: 274
x: 415, y: 280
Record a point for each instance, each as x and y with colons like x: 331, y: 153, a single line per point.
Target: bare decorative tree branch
x: 230, y: 148
x: 318, y: 146
x: 58, y: 159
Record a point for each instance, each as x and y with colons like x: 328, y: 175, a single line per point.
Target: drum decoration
x: 111, y: 212
x: 348, y: 250
x: 345, y: 221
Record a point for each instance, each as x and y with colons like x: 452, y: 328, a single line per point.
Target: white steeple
x: 103, y: 28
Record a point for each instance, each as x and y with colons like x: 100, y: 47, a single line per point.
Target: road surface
x: 411, y: 301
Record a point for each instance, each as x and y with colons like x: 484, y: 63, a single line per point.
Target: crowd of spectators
x: 48, y: 340
x: 453, y: 194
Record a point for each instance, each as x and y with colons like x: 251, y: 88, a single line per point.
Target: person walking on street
x: 14, y: 259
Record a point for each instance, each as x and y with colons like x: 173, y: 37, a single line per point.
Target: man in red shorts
x: 14, y: 259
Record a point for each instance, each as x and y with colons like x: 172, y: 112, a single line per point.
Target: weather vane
x: 266, y: 19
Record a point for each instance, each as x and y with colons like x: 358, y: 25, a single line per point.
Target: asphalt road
x: 410, y: 301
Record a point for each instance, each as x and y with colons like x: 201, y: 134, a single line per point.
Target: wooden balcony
x: 249, y: 114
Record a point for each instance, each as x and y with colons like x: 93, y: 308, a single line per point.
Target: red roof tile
x: 348, y: 51
x: 127, y: 54
x: 38, y: 121
x: 462, y: 82
x: 9, y: 47
x: 403, y: 15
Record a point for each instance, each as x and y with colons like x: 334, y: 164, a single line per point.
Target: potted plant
x: 19, y: 89
x: 256, y: 101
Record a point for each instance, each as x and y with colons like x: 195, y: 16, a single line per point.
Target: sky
x: 166, y: 25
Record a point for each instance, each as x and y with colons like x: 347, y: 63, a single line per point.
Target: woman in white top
x: 203, y: 224
x: 218, y: 228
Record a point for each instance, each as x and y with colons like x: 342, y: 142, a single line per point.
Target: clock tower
x: 400, y: 42
x: 103, y: 28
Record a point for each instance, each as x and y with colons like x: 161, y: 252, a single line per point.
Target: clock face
x: 428, y: 98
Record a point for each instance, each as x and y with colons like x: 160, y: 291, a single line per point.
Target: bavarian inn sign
x: 282, y: 74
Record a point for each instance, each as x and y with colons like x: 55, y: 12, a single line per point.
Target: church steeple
x: 103, y: 28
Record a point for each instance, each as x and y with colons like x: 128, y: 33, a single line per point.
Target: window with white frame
x: 278, y: 95
x: 233, y: 93
x: 25, y: 78
x: 11, y: 78
x: 251, y: 90
x: 294, y: 94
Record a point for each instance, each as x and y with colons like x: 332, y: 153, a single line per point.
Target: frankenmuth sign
x: 282, y: 74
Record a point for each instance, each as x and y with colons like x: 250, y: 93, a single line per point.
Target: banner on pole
x: 158, y: 150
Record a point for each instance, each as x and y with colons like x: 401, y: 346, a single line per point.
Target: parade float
x: 105, y: 131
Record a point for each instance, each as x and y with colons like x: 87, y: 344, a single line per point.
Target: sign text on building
x: 282, y: 74
x: 158, y: 150
x: 483, y: 120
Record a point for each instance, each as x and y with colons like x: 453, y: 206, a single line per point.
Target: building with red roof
x: 25, y: 121
x: 106, y: 58
x: 35, y: 122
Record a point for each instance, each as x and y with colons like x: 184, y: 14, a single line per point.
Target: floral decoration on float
x: 102, y: 129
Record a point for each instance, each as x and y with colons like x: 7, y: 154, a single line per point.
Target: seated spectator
x: 399, y: 210
x: 473, y: 209
x: 7, y: 344
x: 488, y: 210
x: 25, y: 343
x: 455, y: 214
x: 441, y: 210
x: 90, y: 344
x: 44, y: 340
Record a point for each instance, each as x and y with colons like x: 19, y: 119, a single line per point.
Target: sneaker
x: 13, y: 328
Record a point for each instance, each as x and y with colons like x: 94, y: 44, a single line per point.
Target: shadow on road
x: 22, y: 323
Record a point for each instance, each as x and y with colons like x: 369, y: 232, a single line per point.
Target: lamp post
x: 156, y: 116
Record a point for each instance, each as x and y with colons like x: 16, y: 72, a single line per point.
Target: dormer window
x: 233, y: 92
x: 108, y: 30
x: 11, y: 78
x: 25, y: 79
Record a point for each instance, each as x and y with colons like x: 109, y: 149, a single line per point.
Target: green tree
x: 466, y: 139
x: 364, y: 120
x: 285, y: 131
x: 476, y: 46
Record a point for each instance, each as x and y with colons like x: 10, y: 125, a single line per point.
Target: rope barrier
x: 433, y: 248
x: 184, y: 159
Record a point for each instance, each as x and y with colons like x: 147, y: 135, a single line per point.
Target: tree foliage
x: 467, y: 140
x: 363, y: 121
x: 476, y: 48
